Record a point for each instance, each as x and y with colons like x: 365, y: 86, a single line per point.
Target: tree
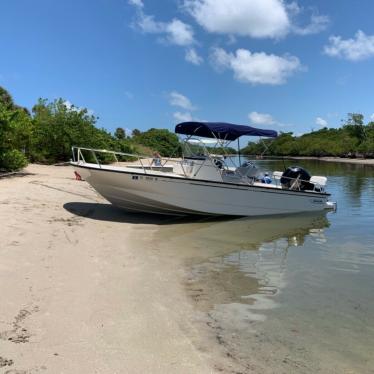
x: 58, y: 127
x: 5, y: 98
x: 136, y: 132
x: 352, y: 138
x: 355, y: 126
x: 356, y: 119
x: 161, y: 140
x: 120, y: 133
x: 15, y: 133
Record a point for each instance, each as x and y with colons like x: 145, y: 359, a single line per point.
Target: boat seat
x: 277, y: 174
x: 319, y: 181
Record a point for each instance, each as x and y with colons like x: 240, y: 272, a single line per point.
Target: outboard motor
x: 296, y: 177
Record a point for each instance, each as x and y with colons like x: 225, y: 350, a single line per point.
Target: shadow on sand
x: 108, y: 212
x: 14, y: 174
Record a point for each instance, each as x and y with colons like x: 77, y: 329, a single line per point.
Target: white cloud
x: 317, y: 24
x: 254, y: 18
x: 256, y: 68
x: 265, y: 119
x: 321, y: 122
x: 293, y: 8
x: 192, y: 57
x: 178, y: 100
x: 138, y: 3
x: 372, y: 117
x: 182, y: 116
x: 179, y: 33
x: 358, y: 48
x: 176, y: 32
x: 181, y: 101
x: 261, y: 118
x: 148, y: 24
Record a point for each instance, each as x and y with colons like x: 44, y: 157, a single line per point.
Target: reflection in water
x: 237, y: 269
x: 219, y: 237
x: 289, y: 294
x: 253, y: 274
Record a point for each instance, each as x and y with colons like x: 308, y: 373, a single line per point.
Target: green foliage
x: 12, y: 160
x: 15, y: 133
x: 355, y: 126
x: 5, y: 98
x: 49, y: 134
x: 59, y: 126
x: 54, y: 127
x: 352, y: 139
x: 136, y: 133
x: 161, y: 140
x: 222, y: 151
x: 120, y: 133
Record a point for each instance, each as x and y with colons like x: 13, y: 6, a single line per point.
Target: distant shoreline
x: 359, y: 161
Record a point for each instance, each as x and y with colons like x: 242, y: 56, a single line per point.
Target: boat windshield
x: 198, y: 148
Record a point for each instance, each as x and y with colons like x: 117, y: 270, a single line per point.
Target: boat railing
x: 145, y: 162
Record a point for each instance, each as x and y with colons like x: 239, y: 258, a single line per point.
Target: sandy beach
x: 82, y: 287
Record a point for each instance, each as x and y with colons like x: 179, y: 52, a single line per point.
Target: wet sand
x: 84, y: 290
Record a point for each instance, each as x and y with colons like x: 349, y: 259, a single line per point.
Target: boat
x: 203, y: 181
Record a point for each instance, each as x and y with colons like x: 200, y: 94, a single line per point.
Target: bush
x: 160, y: 140
x: 13, y: 160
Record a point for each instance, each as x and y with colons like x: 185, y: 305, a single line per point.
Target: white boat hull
x: 153, y: 193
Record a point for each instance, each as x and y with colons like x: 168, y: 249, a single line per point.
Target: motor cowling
x: 296, y: 177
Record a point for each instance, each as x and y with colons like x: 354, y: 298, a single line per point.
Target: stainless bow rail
x: 146, y: 162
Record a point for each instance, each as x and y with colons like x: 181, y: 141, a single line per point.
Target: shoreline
x: 84, y: 287
x: 357, y: 161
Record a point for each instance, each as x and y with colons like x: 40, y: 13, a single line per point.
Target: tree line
x: 352, y: 139
x: 47, y: 133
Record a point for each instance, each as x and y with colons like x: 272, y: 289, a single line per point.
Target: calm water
x: 288, y: 294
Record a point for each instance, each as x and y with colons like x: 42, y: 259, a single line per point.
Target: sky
x: 277, y: 64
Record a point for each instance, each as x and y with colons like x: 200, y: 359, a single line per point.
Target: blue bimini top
x: 221, y: 130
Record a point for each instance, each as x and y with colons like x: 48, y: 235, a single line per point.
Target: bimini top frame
x: 221, y: 130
